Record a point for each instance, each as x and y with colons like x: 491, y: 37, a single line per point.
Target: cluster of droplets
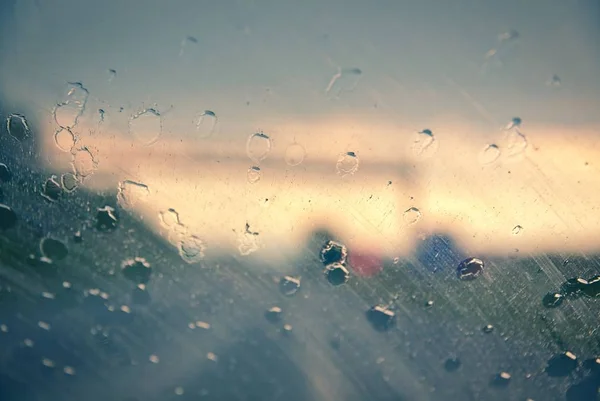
x: 191, y: 247
x: 572, y: 289
x: 258, y: 147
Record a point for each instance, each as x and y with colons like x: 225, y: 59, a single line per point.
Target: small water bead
x: 129, y: 193
x: 154, y: 359
x: 347, y: 164
x: 206, y: 124
x: 69, y: 371
x: 64, y: 139
x: 515, y: 122
x: 106, y: 218
x: 53, y: 249
x: 5, y: 173
x: 294, y: 154
x: 424, y: 144
x: 337, y: 274
x: 17, y: 127
x: 191, y: 249
x: 212, y: 357
x: 502, y: 379
x: 552, y: 300
x: 8, y: 218
x: 561, y: 365
x: 487, y: 329
x: 508, y: 36
x: 289, y: 285
x: 179, y: 391
x: 51, y: 190
x: 49, y: 363
x: 274, y: 314
x: 137, y: 270
x: 254, y: 174
x: 469, y: 269
x: 44, y: 326
x: 489, y: 154
x: 258, y: 146
x: 146, y: 126
x: 411, y: 215
x: 381, y: 317
x: 333, y: 252
x: 83, y: 162
x: 69, y: 182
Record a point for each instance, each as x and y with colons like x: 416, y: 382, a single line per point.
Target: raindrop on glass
x: 337, y: 274
x: 552, y: 300
x: 258, y: 146
x: 515, y: 122
x: 294, y: 154
x: 273, y: 314
x: 344, y: 80
x: 561, y: 365
x: 130, y: 192
x: 554, y: 81
x: 146, y: 126
x: 64, y: 139
x: 452, y: 364
x: 411, y: 215
x: 154, y: 359
x: 508, y: 36
x: 489, y: 154
x: 137, y: 270
x: 69, y: 182
x: 5, y: 173
x: 206, y: 124
x: 191, y: 249
x: 502, y: 379
x: 83, y: 162
x: 517, y: 230
x: 593, y: 287
x: 51, y: 190
x: 8, y: 218
x: 68, y: 111
x: 347, y: 164
x: 53, y: 249
x: 169, y: 218
x: 469, y: 269
x: 289, y: 285
x: 424, y: 144
x: 253, y: 174
x: 333, y: 252
x: 17, y: 127
x: 112, y: 74
x: 488, y: 328
x: 179, y: 391
x: 106, y: 218
x: 381, y: 317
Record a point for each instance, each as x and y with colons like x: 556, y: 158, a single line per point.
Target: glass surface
x: 317, y: 200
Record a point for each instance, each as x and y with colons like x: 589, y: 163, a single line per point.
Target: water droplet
x: 294, y: 154
x: 51, y: 190
x: 140, y: 296
x: 191, y: 249
x: 130, y: 193
x: 347, y: 164
x: 469, y: 269
x: 211, y: 356
x: 554, y: 81
x: 44, y: 326
x: 53, y: 249
x: 179, y: 391
x: 488, y: 328
x: 274, y: 314
x: 515, y: 122
x: 67, y: 112
x: 17, y: 127
x: 337, y: 274
x: 452, y: 364
x: 429, y: 304
x: 344, y: 80
x: 502, y: 379
x: 78, y: 239
x: 253, y: 174
x: 289, y: 285
x: 593, y: 287
x: 8, y: 218
x: 48, y: 363
x: 5, y: 173
x: 508, y: 36
x: 287, y: 328
x: 202, y: 325
x: 112, y: 74
x: 169, y: 218
x: 3, y: 328
x: 146, y: 126
x: 411, y: 215
x: 561, y: 365
x: 248, y: 243
x: 137, y: 270
x: 206, y: 124
x: 424, y: 144
x: 64, y: 139
x: 154, y: 359
x: 258, y: 146
x: 333, y: 252
x: 517, y: 230
x: 83, y: 162
x: 28, y: 342
x: 68, y: 370
x: 381, y: 317
x: 552, y: 300
x: 106, y: 218
x: 489, y: 154
x: 69, y: 182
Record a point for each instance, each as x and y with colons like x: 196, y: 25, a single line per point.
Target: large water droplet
x: 137, y: 270
x: 64, y: 139
x: 83, y: 162
x: 381, y: 317
x: 347, y: 164
x: 411, y: 215
x: 106, y: 218
x: 424, y: 144
x: 191, y: 249
x: 561, y: 365
x: 5, y: 173
x: 17, y: 127
x: 489, y: 154
x: 258, y: 146
x: 68, y: 111
x: 69, y: 182
x: 131, y: 192
x: 146, y: 126
x: 53, y: 249
x: 274, y: 314
x: 294, y: 154
x: 593, y: 287
x: 469, y: 269
x: 289, y: 285
x: 51, y: 190
x: 337, y: 274
x: 333, y: 252
x: 206, y: 124
x: 253, y: 174
x: 8, y: 218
